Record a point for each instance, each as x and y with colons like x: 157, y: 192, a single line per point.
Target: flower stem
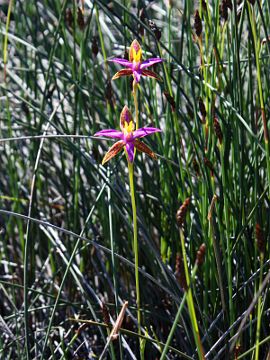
x: 135, y: 241
x: 136, y: 104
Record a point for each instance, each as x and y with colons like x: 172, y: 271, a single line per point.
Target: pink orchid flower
x: 135, y: 66
x: 128, y: 138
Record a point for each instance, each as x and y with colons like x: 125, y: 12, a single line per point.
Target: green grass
x: 66, y: 221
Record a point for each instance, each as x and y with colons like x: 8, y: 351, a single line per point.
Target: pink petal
x: 111, y: 133
x: 123, y: 62
x: 130, y: 151
x: 142, y: 132
x: 137, y: 76
x: 123, y: 72
x: 150, y: 62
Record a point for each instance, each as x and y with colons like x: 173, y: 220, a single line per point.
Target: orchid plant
x: 128, y: 139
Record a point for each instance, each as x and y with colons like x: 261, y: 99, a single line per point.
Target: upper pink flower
x: 128, y: 137
x: 135, y: 66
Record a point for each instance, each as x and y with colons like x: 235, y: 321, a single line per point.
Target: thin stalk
x: 5, y: 49
x: 217, y: 253
x: 259, y: 312
x: 176, y: 124
x: 170, y: 30
x: 227, y: 224
x: 72, y: 341
x: 135, y: 242
x: 102, y: 42
x: 190, y: 301
x: 258, y: 68
x: 136, y: 103
x: 265, y: 340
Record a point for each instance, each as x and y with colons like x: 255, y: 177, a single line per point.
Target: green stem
x: 136, y: 104
x: 260, y: 88
x: 135, y: 241
x: 190, y: 302
x: 242, y: 356
x: 227, y: 231
x: 5, y: 49
x: 102, y: 42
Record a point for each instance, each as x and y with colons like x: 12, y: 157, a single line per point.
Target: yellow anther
x: 129, y: 127
x: 137, y: 56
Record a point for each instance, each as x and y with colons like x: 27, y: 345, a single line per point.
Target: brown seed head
x: 196, y: 167
x: 170, y: 100
x: 69, y: 17
x: 25, y: 108
x: 202, y: 107
x: 94, y: 46
x: 201, y: 254
x: 109, y: 91
x: 155, y: 29
x: 197, y: 23
x: 171, y: 3
x: 208, y: 164
x: 182, y: 212
x: 80, y: 19
x: 237, y: 351
x: 223, y: 10
x: 180, y: 272
x: 218, y: 130
x: 229, y: 4
x: 204, y: 6
x: 105, y: 314
x: 260, y: 238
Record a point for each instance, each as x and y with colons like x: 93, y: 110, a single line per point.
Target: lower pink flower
x: 128, y: 138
